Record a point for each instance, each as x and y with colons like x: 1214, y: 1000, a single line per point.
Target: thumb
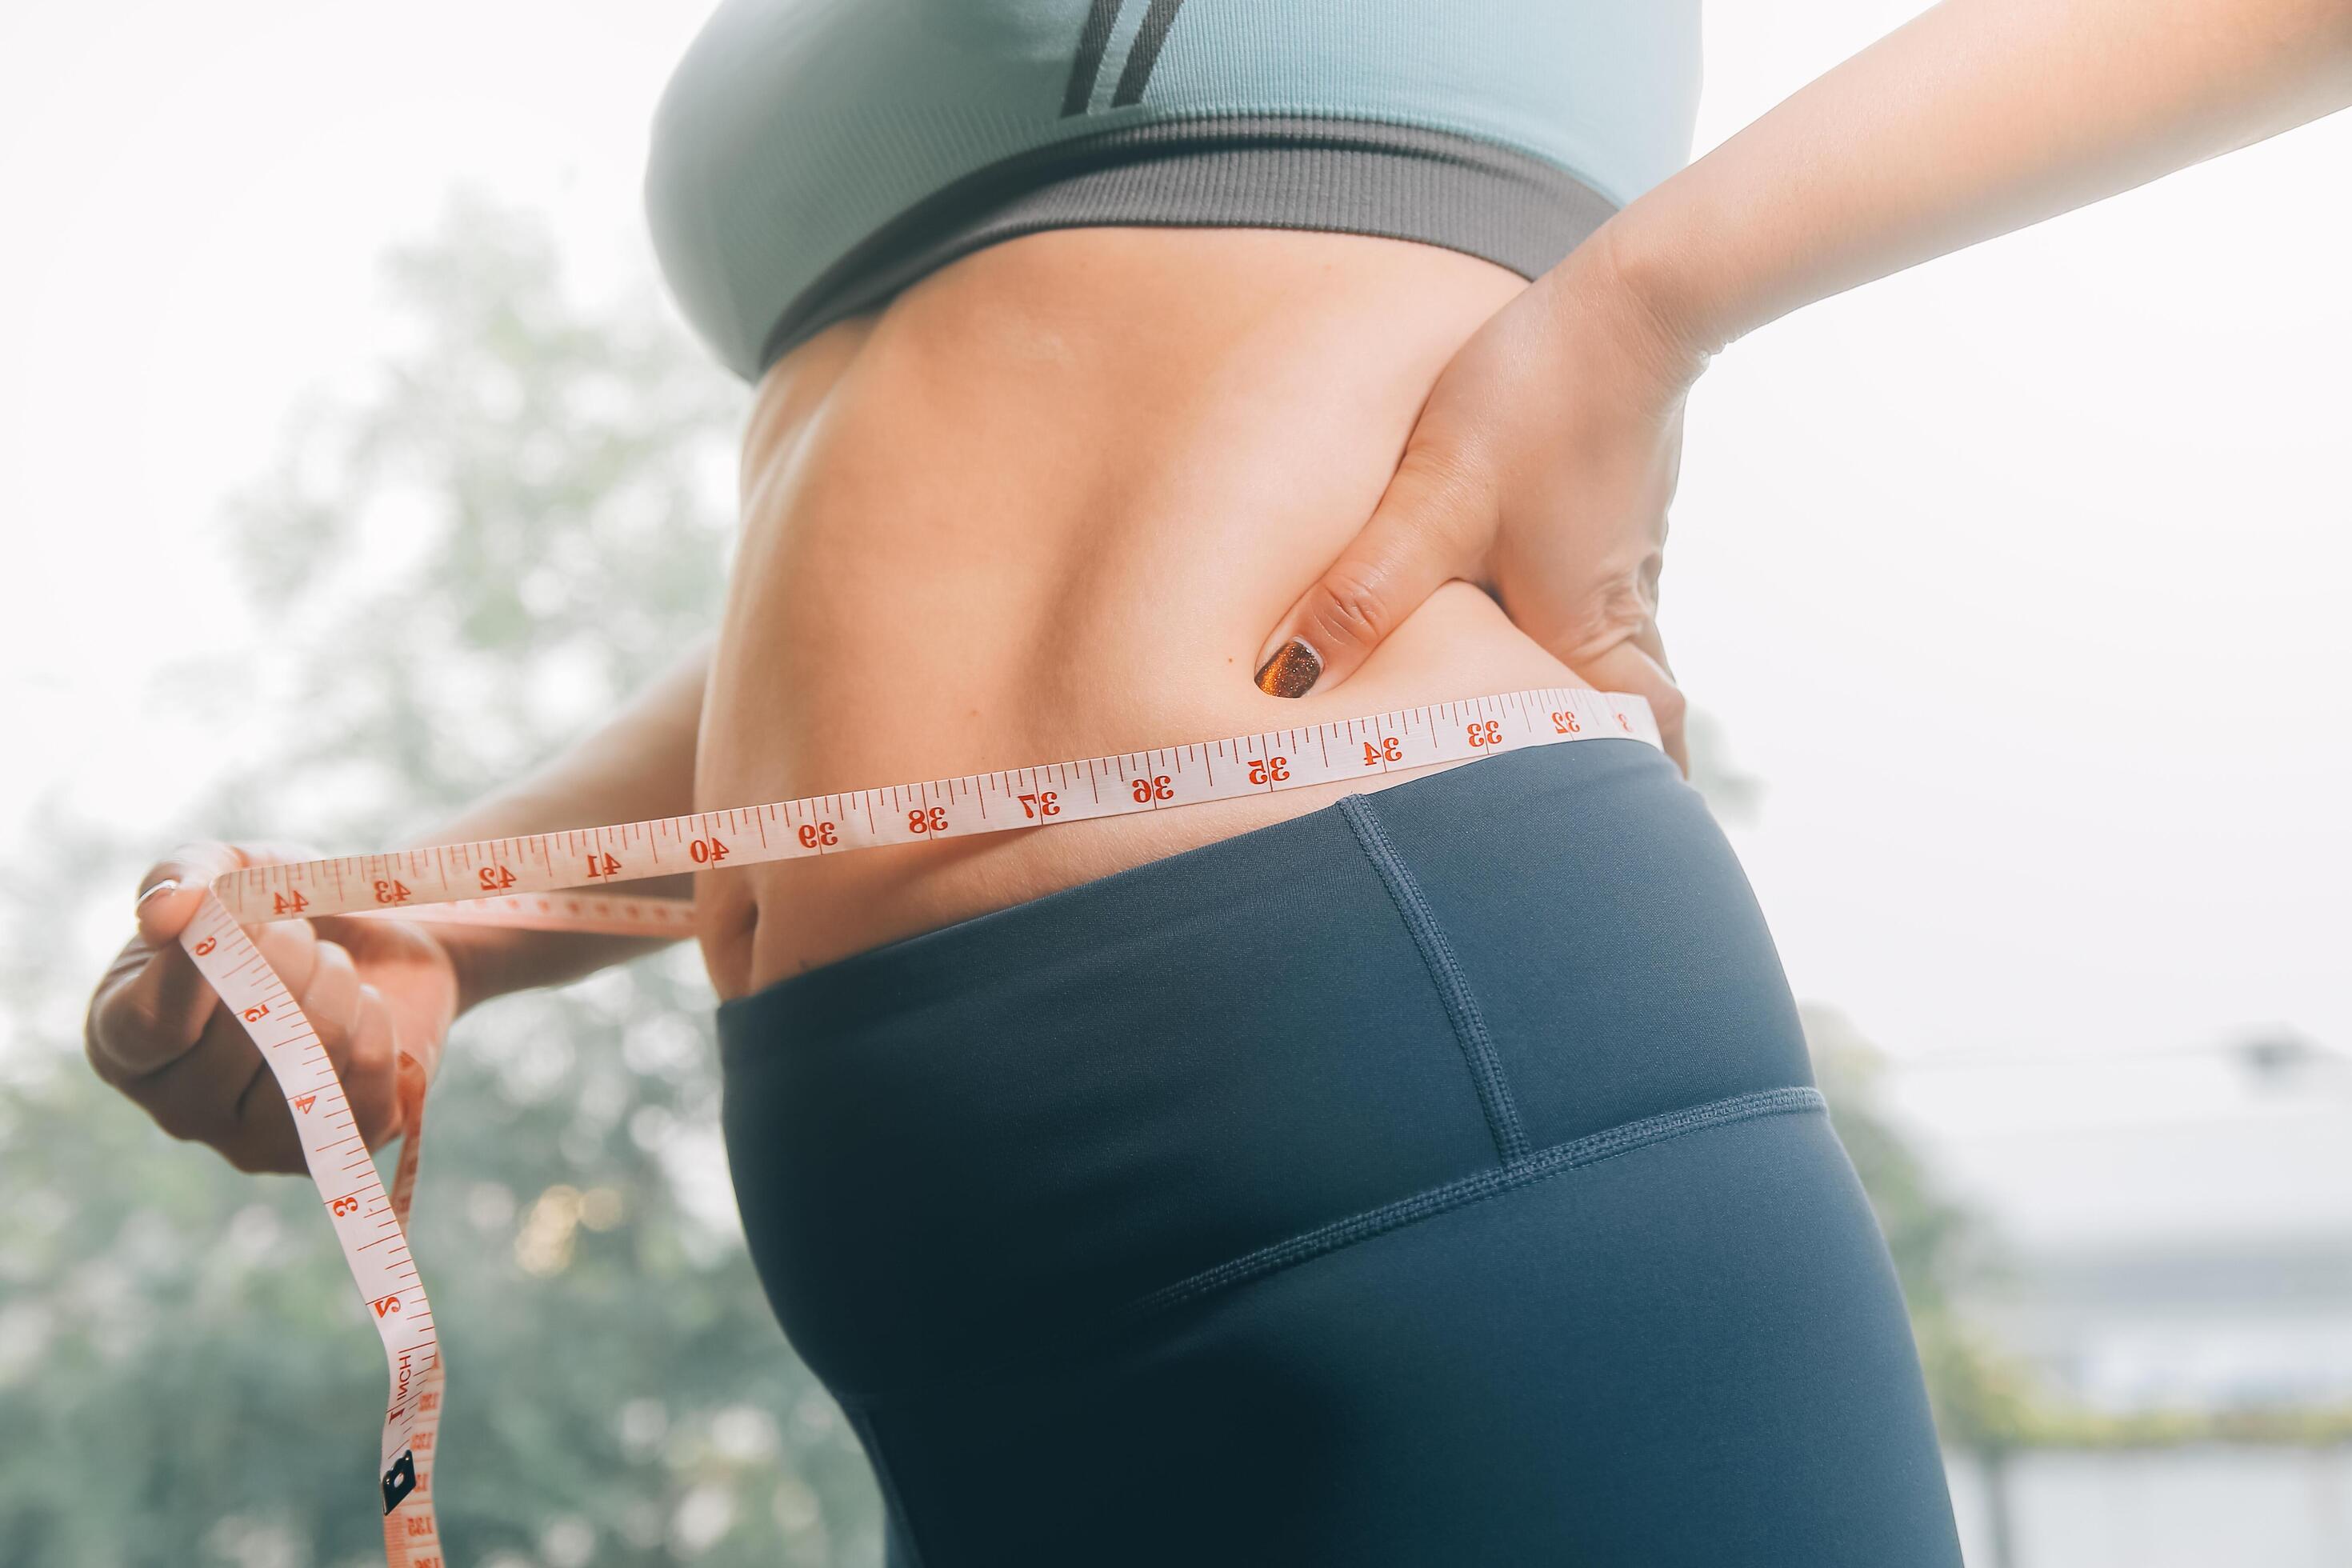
x: 173, y: 887
x: 1433, y: 523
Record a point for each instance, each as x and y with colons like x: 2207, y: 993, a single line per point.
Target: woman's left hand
x: 1541, y: 470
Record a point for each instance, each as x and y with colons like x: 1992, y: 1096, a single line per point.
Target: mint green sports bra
x: 809, y: 158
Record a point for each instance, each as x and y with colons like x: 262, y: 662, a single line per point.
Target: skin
x: 1068, y: 495
x: 1078, y: 555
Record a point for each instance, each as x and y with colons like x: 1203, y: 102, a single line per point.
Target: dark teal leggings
x: 1433, y: 1178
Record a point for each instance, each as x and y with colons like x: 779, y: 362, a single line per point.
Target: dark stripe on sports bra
x: 1145, y: 52
x: 1093, y: 39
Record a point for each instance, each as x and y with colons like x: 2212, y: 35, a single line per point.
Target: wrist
x: 1644, y: 276
x: 476, y: 959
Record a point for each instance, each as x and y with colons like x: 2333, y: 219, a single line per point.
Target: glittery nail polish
x: 1291, y: 671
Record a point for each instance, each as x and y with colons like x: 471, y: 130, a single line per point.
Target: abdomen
x: 1048, y: 504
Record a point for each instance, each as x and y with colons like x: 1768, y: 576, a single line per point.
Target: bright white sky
x: 2019, y: 578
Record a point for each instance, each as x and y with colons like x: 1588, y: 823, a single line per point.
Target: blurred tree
x: 457, y: 569
x: 1940, y: 1248
x: 1943, y: 1251
x: 1984, y: 1401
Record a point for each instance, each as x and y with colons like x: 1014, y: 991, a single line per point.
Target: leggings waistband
x: 988, y: 1139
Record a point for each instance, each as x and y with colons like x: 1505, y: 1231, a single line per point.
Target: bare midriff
x: 1049, y: 503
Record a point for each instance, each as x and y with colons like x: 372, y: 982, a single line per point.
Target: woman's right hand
x: 1540, y: 469
x: 379, y: 992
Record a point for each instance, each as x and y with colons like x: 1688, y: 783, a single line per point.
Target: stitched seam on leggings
x: 1575, y: 1154
x: 1453, y: 986
x: 1590, y: 1149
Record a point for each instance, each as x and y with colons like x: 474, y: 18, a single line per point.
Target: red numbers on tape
x: 1196, y: 772
x: 237, y: 971
x: 523, y: 882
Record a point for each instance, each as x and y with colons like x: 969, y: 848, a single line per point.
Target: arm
x: 1546, y: 456
x: 379, y: 993
x: 639, y: 765
x: 1976, y: 118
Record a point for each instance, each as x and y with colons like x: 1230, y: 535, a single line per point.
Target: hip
x: 1434, y: 1175
x: 1030, y: 1124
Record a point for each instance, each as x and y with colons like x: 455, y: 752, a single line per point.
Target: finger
x: 372, y: 1077
x: 261, y: 1135
x: 151, y: 980
x: 199, y: 1092
x: 269, y: 1132
x: 264, y: 1132
x: 1629, y: 666
x: 199, y: 1095
x: 1432, y: 523
x: 157, y: 1010
x: 220, y: 1091
x: 151, y: 1004
x: 403, y: 957
x: 330, y: 1000
x: 1651, y: 640
x: 173, y: 887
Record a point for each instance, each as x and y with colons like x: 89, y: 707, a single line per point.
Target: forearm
x: 1976, y: 118
x: 638, y: 764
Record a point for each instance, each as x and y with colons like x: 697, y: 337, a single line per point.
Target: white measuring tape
x: 559, y: 880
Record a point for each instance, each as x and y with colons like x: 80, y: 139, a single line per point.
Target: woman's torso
x: 1048, y: 503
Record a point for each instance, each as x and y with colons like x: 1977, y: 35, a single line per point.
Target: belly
x: 1048, y: 504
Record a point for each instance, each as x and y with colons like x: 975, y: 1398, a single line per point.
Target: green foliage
x: 464, y: 564
x: 1982, y: 1398
x: 1940, y: 1248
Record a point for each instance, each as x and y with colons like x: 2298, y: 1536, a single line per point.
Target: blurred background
x: 350, y: 459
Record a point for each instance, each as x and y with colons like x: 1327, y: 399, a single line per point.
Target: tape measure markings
x: 515, y: 881
x: 358, y: 1208
x: 1042, y: 796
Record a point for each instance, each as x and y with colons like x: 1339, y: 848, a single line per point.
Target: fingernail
x: 167, y: 885
x: 1291, y: 671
